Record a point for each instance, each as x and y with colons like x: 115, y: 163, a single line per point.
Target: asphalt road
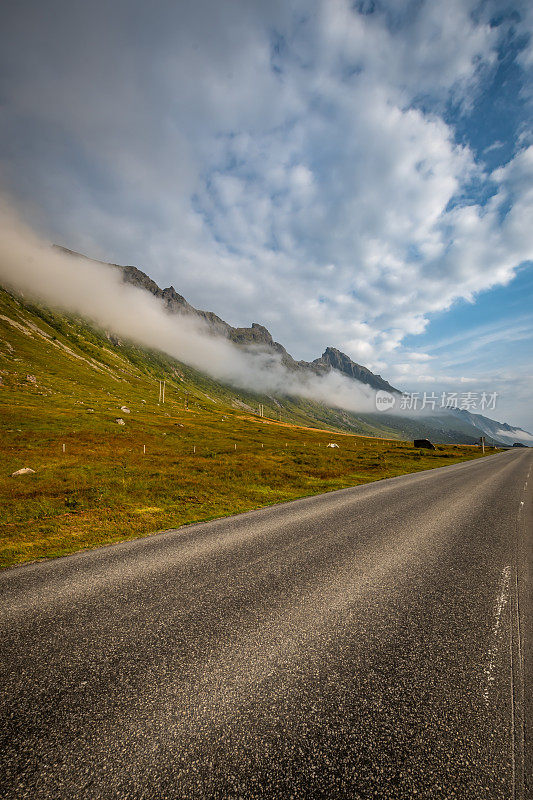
x: 368, y: 643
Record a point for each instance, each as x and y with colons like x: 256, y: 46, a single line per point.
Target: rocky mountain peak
x: 256, y: 334
x: 175, y: 301
x: 332, y: 358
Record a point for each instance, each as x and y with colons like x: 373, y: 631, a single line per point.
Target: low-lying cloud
x: 517, y: 435
x: 96, y: 292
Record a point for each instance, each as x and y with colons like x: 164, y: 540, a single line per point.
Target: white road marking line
x: 501, y: 601
x: 513, y: 722
x: 517, y: 705
x: 519, y: 631
x: 517, y: 680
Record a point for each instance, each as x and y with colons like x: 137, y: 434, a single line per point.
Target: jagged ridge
x: 256, y: 334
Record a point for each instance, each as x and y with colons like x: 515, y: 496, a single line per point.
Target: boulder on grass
x: 23, y: 471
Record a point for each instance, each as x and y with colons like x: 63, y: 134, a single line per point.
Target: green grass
x: 104, y: 488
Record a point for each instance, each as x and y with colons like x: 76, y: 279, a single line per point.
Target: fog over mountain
x: 245, y: 357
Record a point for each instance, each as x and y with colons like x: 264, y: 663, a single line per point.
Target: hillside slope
x: 81, y: 408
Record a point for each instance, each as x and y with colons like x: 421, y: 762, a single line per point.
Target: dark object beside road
x: 424, y: 443
x: 519, y: 444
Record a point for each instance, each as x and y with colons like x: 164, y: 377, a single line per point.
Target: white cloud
x: 288, y: 163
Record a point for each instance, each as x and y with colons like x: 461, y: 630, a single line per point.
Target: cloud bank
x: 97, y: 293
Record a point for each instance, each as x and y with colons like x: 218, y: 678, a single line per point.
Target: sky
x: 351, y: 174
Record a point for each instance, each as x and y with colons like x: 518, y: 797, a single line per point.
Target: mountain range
x: 448, y: 426
x: 255, y: 335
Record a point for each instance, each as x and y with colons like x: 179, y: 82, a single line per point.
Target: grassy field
x: 200, y: 455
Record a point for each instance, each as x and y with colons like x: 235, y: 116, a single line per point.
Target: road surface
x: 369, y: 643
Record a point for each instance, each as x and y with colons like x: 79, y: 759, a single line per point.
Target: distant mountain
x: 498, y: 431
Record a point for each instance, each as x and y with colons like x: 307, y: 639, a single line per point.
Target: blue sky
x: 348, y: 174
